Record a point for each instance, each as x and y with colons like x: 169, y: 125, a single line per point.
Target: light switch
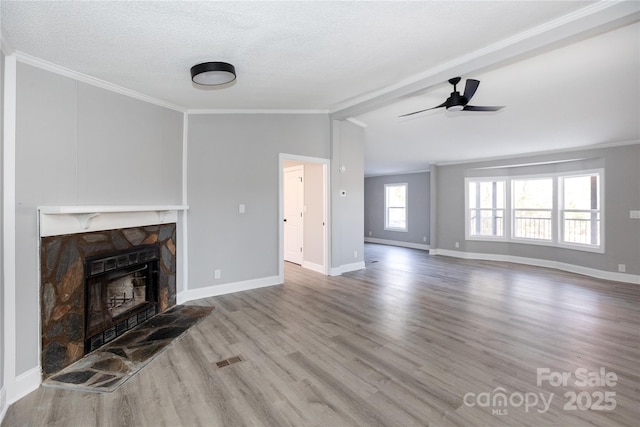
x: 634, y: 214
x: 241, y: 208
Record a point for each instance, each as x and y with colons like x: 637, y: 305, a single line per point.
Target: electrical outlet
x: 216, y: 274
x: 424, y: 239
x: 457, y: 244
x: 622, y: 268
x: 369, y: 232
x: 355, y: 254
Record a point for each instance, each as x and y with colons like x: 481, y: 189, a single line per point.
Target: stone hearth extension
x: 107, y: 368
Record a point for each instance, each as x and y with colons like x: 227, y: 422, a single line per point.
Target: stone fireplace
x: 96, y: 285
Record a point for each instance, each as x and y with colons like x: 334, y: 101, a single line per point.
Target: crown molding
x: 254, y: 111
x: 25, y: 58
x: 67, y: 72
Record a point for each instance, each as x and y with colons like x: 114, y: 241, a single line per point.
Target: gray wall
x: 418, y: 212
x: 347, y: 212
x: 234, y: 159
x: 78, y: 144
x: 622, y: 194
x: 1, y: 222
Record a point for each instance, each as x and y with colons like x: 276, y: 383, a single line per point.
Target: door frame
x: 326, y: 207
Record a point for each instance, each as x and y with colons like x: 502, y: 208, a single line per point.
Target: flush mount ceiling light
x: 213, y: 73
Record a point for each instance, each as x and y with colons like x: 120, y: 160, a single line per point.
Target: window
x: 532, y: 212
x: 580, y: 211
x: 486, y: 208
x: 395, y: 207
x: 554, y: 209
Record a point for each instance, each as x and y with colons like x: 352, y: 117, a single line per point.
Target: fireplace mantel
x: 72, y: 219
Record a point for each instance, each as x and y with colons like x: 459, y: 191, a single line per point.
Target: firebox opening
x: 121, y: 292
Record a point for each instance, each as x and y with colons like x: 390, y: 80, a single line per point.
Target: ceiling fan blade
x: 470, y: 88
x: 422, y: 111
x: 474, y: 108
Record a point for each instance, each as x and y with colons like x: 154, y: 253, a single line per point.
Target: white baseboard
x: 25, y: 383
x: 592, y: 272
x: 3, y: 404
x: 22, y: 385
x: 227, y: 288
x: 345, y: 268
x: 313, y: 266
x: 396, y: 243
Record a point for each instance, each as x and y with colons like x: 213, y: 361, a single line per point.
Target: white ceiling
x: 568, y: 71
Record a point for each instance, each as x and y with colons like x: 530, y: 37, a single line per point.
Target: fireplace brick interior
x: 62, y: 290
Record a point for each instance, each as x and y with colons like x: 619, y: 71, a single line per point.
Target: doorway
x: 304, y: 212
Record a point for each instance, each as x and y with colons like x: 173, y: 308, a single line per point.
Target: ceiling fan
x: 457, y: 102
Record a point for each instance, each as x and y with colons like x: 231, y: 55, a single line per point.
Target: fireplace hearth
x: 95, y: 286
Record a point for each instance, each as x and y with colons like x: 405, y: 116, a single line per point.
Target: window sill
x: 397, y: 229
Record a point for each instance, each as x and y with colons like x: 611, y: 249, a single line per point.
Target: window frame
x: 557, y: 213
x: 560, y: 223
x: 505, y: 219
x: 404, y: 229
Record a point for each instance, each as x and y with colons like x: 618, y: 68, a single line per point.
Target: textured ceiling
x: 288, y: 55
x: 336, y: 56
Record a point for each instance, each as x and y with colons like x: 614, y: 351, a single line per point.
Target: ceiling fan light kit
x: 457, y: 102
x: 213, y: 73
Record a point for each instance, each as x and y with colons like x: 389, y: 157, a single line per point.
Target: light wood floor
x: 398, y: 344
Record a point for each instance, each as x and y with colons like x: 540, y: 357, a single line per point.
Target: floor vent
x: 229, y: 361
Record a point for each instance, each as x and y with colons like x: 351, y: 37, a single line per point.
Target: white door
x: 293, y: 211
